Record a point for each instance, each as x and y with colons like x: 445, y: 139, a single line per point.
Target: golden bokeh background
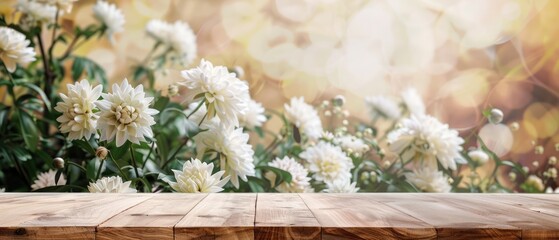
x: 462, y: 56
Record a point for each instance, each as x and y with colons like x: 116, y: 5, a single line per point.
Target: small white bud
x: 58, y: 163
x: 496, y: 116
x: 338, y: 101
x: 102, y: 153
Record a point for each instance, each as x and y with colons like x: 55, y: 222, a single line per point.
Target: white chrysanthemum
x: 254, y: 116
x: 79, y: 118
x: 429, y: 180
x: 112, y: 184
x: 383, y: 107
x: 232, y: 145
x: 125, y: 114
x: 478, y: 156
x: 413, y: 102
x: 299, y: 180
x: 14, y: 48
x: 196, y: 177
x: 35, y: 12
x: 341, y: 186
x: 46, y: 179
x: 351, y: 144
x: 327, y: 162
x: 225, y: 94
x: 64, y: 5
x: 305, y: 117
x: 110, y: 16
x: 177, y: 36
x: 426, y: 139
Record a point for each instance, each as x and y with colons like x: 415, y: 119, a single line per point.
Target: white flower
x: 304, y: 117
x: 79, y: 118
x: 2, y: 190
x: 46, y: 179
x: 64, y: 5
x: 550, y: 190
x: 236, y: 155
x: 413, y: 102
x: 112, y: 184
x: 478, y: 156
x: 327, y: 162
x: 351, y: 144
x: 429, y: 180
x: 535, y: 183
x: 110, y: 16
x: 383, y: 107
x: 299, y: 180
x: 196, y: 177
x: 424, y: 138
x: 14, y: 48
x: 125, y: 114
x: 176, y: 36
x: 225, y: 95
x: 36, y: 13
x: 254, y: 115
x: 341, y: 186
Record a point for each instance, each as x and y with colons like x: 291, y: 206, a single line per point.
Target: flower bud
x: 365, y: 176
x: 173, y: 90
x: 552, y: 160
x: 478, y: 156
x: 58, y: 163
x: 514, y: 126
x: 238, y: 71
x: 373, y: 177
x: 495, y: 116
x: 101, y: 153
x: 539, y: 150
x: 512, y: 176
x: 338, y: 101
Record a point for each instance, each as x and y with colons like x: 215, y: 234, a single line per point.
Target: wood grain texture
x: 220, y: 216
x: 62, y: 216
x: 358, y: 216
x: 278, y: 216
x: 534, y: 225
x: 284, y: 216
x: 151, y: 219
x: 451, y: 222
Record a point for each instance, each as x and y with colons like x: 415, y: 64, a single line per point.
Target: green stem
x: 149, y: 154
x: 54, y: 34
x: 175, y: 153
x: 119, y: 169
x: 133, y: 159
x: 150, y: 54
x: 196, y: 109
x: 79, y: 166
x: 99, y: 170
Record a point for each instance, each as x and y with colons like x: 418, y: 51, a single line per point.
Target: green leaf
x: 259, y: 131
x: 139, y: 73
x: 91, y: 168
x: 281, y: 175
x: 256, y: 184
x: 119, y: 152
x: 28, y: 130
x: 85, y: 146
x: 77, y: 68
x: 38, y: 90
x: 161, y: 103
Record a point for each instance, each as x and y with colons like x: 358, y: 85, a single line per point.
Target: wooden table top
x: 278, y: 216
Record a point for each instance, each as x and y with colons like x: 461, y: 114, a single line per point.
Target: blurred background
x: 462, y: 56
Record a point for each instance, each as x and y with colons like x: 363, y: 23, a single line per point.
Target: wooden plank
x: 284, y: 216
x: 358, y: 216
x: 63, y: 216
x: 220, y: 216
x: 151, y: 219
x: 451, y: 222
x: 534, y: 225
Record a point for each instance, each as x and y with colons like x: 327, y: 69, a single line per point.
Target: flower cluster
x: 207, y: 134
